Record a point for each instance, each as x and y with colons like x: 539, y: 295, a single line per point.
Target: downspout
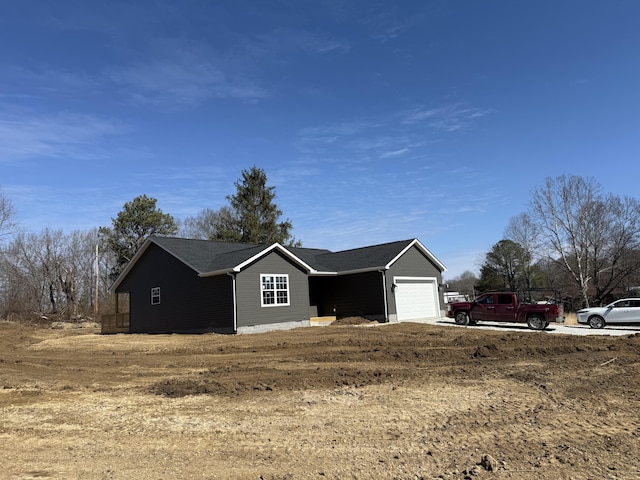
x: 235, y: 308
x: 384, y: 290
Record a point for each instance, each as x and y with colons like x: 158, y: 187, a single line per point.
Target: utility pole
x: 96, y: 270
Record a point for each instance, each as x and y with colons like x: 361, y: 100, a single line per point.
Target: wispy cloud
x: 367, y: 159
x: 339, y: 129
x: 68, y: 135
x: 182, y: 77
x: 393, y: 136
x: 338, y: 137
x: 395, y: 153
x: 43, y: 78
x: 156, y: 55
x: 387, y: 24
x: 287, y: 40
x: 174, y: 71
x: 448, y: 118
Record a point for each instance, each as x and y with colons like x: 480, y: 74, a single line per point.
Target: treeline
x: 573, y: 238
x: 69, y: 275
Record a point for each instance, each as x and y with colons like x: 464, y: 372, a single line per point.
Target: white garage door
x: 416, y: 298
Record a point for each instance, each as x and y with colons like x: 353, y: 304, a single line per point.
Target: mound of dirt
x: 486, y: 351
x: 353, y: 321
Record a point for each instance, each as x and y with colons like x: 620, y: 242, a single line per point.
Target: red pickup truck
x: 505, y: 307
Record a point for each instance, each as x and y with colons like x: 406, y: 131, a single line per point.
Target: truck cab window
x: 486, y: 300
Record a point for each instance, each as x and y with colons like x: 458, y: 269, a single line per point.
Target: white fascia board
x: 228, y: 271
x: 424, y: 250
x: 280, y: 248
x: 275, y: 246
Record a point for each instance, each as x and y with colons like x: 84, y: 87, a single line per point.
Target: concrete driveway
x: 554, y: 328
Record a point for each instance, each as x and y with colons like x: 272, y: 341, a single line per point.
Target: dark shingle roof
x: 207, y: 256
x: 375, y: 256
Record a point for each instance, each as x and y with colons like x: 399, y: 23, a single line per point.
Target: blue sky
x: 375, y: 120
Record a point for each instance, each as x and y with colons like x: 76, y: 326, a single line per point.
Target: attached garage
x: 416, y: 297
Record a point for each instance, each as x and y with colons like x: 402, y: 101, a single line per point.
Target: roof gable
x: 374, y: 257
x: 209, y: 258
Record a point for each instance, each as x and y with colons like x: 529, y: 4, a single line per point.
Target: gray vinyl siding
x: 412, y: 264
x: 250, y: 311
x: 188, y: 303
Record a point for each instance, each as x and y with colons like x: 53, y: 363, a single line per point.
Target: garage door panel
x: 416, y: 298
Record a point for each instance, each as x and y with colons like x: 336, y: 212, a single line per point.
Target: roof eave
x: 362, y: 270
x: 217, y: 272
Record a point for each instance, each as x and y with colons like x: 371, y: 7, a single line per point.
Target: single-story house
x: 186, y: 285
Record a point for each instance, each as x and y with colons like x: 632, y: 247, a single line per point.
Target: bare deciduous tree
x: 7, y: 215
x: 206, y: 225
x: 464, y: 283
x: 524, y: 232
x: 592, y: 235
x: 50, y: 273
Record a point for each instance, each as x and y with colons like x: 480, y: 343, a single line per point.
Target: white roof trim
x: 424, y: 250
x: 275, y: 246
x: 257, y: 256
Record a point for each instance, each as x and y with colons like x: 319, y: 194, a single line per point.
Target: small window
x: 155, y: 296
x: 274, y: 290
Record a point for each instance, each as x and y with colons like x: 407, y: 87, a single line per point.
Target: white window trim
x: 275, y: 290
x: 155, y: 294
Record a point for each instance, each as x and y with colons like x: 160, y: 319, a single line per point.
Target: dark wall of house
x: 188, y: 303
x: 358, y: 294
x: 412, y: 264
x: 249, y: 293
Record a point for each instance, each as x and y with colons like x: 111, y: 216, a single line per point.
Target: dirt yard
x: 404, y: 401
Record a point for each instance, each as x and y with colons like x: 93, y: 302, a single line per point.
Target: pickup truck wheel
x: 461, y: 318
x: 596, y: 321
x: 536, y: 322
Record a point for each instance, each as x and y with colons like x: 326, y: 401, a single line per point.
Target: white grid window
x: 155, y: 296
x: 274, y: 290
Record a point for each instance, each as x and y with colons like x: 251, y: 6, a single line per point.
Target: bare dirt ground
x: 403, y: 401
